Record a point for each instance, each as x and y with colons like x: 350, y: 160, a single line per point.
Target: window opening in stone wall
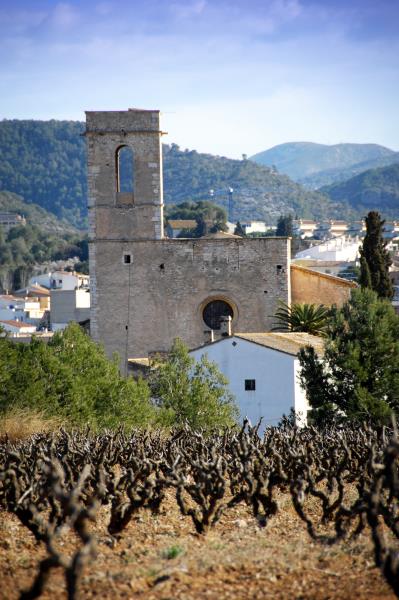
x: 124, y: 170
x: 250, y: 385
x: 214, y: 311
x: 127, y: 259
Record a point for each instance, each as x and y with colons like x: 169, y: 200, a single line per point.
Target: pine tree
x: 358, y: 377
x: 285, y: 226
x: 374, y: 253
x: 239, y: 230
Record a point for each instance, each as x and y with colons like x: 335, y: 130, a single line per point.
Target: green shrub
x: 191, y: 392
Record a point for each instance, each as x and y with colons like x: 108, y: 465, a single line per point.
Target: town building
x: 67, y: 306
x: 10, y: 220
x: 61, y: 280
x: 304, y: 228
x: 175, y: 227
x: 17, y: 328
x: 262, y: 370
x: 337, y: 249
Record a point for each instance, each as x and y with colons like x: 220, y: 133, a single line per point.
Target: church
x: 147, y: 289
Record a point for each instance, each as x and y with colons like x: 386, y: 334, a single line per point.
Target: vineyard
x: 84, y: 514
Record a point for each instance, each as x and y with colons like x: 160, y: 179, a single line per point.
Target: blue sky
x: 230, y: 77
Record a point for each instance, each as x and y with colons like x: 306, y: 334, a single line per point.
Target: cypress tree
x: 239, y: 230
x: 374, y: 254
x: 285, y: 227
x: 364, y: 277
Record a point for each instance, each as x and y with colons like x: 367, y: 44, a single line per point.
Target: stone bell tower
x: 127, y: 141
x: 124, y: 156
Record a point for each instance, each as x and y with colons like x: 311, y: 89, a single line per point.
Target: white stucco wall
x: 301, y: 404
x: 275, y: 374
x: 337, y: 249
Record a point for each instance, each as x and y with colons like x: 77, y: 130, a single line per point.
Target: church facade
x: 147, y: 289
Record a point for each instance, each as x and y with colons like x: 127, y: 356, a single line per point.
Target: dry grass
x: 18, y: 424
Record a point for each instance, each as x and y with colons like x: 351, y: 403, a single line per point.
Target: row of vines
x: 52, y: 480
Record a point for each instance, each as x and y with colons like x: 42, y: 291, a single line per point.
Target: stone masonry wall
x: 142, y: 306
x: 313, y: 287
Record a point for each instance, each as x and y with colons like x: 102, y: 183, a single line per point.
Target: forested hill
x: 45, y: 163
x: 374, y: 189
x: 302, y: 159
x: 35, y: 215
x: 259, y: 192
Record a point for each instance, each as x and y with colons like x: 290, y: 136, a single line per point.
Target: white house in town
x: 338, y: 249
x: 250, y: 227
x: 67, y: 306
x: 27, y: 309
x: 61, y: 280
x: 17, y: 328
x: 262, y: 370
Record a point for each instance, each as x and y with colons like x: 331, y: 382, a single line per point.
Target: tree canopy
x: 192, y: 392
x: 208, y: 216
x: 285, y: 226
x: 72, y: 379
x: 45, y: 162
x: 358, y: 377
x: 26, y: 246
x: 374, y: 258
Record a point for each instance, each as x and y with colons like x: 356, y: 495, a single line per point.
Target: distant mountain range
x: 44, y: 162
x: 369, y: 190
x: 316, y: 165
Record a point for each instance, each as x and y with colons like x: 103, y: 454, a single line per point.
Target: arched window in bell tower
x: 124, y: 160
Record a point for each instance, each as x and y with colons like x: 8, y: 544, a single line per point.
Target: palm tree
x: 309, y: 318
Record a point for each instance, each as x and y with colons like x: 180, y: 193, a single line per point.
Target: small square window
x: 250, y: 385
x: 127, y: 259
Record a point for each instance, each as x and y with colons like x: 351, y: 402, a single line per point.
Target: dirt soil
x: 161, y: 558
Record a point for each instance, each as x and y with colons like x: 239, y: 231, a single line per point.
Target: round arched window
x: 214, y: 311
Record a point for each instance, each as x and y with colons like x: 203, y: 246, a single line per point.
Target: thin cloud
x: 64, y: 15
x: 188, y: 10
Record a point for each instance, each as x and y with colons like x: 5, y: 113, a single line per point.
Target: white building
x: 10, y: 220
x: 61, y: 280
x: 304, y: 228
x: 7, y: 300
x: 339, y: 249
x: 16, y: 328
x: 67, y: 306
x: 26, y: 310
x: 262, y: 370
x: 250, y: 227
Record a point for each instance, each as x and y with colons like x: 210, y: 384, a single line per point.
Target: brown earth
x: 160, y: 558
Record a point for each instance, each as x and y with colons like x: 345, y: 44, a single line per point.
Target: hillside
x: 301, y: 159
x: 375, y: 189
x: 34, y: 214
x: 259, y: 193
x: 42, y: 240
x: 44, y: 162
x: 330, y: 176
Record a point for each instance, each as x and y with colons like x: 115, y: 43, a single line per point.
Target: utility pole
x: 231, y: 207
